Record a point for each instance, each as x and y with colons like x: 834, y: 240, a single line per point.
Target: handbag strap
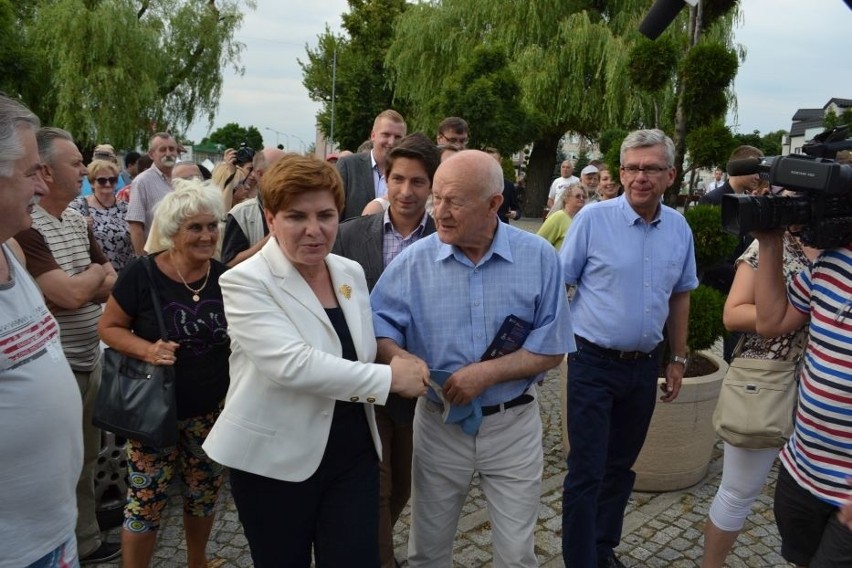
x: 797, y: 345
x: 738, y: 348
x: 155, y: 297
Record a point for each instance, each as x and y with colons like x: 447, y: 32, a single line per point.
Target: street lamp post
x: 277, y: 134
x: 304, y: 146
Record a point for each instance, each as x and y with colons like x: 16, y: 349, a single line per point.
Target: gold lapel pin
x: 346, y: 290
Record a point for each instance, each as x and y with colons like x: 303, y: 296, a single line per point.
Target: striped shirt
x: 67, y: 244
x: 819, y: 454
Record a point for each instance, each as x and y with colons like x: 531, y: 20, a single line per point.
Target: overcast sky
x: 799, y: 55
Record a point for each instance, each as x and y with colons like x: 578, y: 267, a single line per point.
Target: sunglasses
x: 107, y: 180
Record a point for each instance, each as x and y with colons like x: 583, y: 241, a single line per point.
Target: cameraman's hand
x: 769, y: 236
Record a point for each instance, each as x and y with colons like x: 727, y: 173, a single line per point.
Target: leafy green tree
x: 769, y: 144
x: 610, y: 146
x: 710, y: 145
x: 360, y: 88
x: 833, y: 120
x: 486, y: 93
x: 232, y: 135
x: 705, y: 75
x: 117, y: 70
x: 581, y: 162
x: 568, y: 57
x: 752, y: 139
x: 572, y: 60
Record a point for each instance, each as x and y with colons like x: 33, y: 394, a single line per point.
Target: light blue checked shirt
x: 625, y: 271
x: 435, y: 303
x: 394, y: 243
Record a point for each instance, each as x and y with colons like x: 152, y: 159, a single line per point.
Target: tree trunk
x: 540, y: 174
x: 680, y: 114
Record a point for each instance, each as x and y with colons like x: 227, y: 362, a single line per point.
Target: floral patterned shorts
x: 151, y: 470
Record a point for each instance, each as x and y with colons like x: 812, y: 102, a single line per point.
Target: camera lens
x: 742, y: 214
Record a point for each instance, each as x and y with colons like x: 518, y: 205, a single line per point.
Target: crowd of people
x: 348, y: 338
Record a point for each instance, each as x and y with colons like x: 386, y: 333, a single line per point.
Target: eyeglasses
x: 107, y: 180
x: 454, y: 140
x: 649, y: 170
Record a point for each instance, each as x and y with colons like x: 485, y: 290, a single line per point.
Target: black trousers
x: 334, y: 512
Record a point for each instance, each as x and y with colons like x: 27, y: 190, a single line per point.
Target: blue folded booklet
x: 453, y: 413
x: 510, y: 337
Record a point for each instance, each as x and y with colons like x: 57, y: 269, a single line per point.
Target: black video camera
x: 823, y: 207
x: 245, y: 154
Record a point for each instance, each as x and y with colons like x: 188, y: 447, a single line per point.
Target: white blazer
x: 286, y: 366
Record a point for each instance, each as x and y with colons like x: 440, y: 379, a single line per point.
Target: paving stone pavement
x: 660, y: 530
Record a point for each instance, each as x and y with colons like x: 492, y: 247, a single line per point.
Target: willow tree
x: 574, y: 60
x: 114, y: 70
x: 570, y: 58
x: 486, y: 93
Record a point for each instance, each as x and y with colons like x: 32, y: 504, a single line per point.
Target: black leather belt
x: 494, y: 409
x: 612, y: 353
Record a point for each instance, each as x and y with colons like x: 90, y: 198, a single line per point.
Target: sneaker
x: 106, y: 551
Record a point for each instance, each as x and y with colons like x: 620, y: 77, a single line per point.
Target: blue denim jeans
x: 63, y: 556
x: 610, y: 404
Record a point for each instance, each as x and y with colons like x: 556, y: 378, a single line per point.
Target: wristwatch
x: 678, y: 359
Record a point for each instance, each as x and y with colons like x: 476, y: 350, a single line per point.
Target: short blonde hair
x: 391, y: 115
x: 189, y: 198
x: 97, y: 166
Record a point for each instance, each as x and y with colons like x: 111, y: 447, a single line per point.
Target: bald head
x: 475, y: 170
x: 466, y: 194
x: 186, y: 170
x: 266, y: 158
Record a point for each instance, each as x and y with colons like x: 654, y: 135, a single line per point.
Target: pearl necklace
x: 195, y: 293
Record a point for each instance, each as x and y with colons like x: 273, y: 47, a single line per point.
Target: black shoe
x: 610, y: 562
x: 106, y: 551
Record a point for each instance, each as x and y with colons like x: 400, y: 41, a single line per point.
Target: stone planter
x: 680, y: 440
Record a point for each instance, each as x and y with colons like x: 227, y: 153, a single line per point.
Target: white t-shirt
x: 41, y: 426
x: 559, y: 185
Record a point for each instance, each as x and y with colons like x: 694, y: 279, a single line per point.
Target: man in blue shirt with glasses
x: 444, y: 299
x: 632, y: 262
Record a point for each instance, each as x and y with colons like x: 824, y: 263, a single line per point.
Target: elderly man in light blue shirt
x: 633, y: 264
x: 444, y: 300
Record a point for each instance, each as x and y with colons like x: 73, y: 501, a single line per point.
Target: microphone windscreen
x: 662, y: 13
x: 745, y: 167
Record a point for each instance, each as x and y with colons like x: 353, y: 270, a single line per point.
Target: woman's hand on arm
x: 114, y: 329
x: 409, y: 373
x: 409, y: 376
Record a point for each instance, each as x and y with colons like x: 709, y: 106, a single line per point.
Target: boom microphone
x: 662, y: 13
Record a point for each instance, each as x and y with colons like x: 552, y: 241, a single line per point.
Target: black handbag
x: 136, y: 399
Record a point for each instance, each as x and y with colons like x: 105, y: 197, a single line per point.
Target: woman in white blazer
x: 298, y: 429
